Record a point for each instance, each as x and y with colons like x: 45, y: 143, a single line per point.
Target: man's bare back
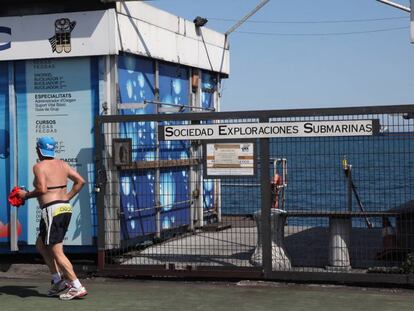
x: 51, y: 178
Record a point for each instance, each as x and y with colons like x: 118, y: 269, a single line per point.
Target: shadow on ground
x: 21, y: 291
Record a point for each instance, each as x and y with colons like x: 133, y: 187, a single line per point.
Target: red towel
x: 14, y: 199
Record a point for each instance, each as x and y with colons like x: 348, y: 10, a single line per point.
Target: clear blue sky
x: 295, y: 71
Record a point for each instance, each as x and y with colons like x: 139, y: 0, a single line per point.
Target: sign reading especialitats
x: 268, y: 130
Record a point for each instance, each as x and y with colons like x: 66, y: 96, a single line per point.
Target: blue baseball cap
x: 46, y: 146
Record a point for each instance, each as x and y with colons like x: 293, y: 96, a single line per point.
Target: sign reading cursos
x: 268, y: 130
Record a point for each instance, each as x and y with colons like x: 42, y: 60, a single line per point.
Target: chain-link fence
x: 323, y: 194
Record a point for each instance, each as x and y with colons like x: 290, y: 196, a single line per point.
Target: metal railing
x: 162, y: 215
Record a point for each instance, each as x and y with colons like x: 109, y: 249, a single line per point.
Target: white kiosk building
x: 64, y: 62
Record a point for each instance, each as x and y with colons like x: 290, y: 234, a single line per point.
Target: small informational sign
x: 229, y: 159
x: 269, y: 130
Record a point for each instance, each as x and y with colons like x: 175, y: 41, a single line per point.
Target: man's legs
x: 47, y: 256
x: 62, y: 261
x: 58, y: 284
x: 45, y: 251
x: 77, y: 290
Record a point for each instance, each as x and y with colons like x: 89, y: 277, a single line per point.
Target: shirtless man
x: 50, y: 178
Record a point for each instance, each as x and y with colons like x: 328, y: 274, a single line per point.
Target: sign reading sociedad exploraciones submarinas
x: 268, y: 130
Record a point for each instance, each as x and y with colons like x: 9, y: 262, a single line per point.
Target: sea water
x: 382, y: 171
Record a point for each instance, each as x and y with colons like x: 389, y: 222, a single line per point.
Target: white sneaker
x: 74, y: 293
x: 57, y: 288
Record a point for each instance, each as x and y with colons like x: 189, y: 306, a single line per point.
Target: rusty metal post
x: 100, y: 194
x: 266, y: 203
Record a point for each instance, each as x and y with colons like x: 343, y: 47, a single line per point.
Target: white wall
x: 148, y: 31
x: 93, y: 34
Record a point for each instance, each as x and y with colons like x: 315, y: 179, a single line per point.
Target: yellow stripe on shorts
x: 64, y: 208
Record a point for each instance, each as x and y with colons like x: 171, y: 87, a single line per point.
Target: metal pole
x: 100, y: 194
x: 13, y: 159
x: 199, y: 211
x: 157, y: 157
x: 265, y: 204
x: 244, y: 19
x: 284, y: 182
x: 216, y: 104
x: 112, y: 200
x: 157, y: 102
x: 191, y: 179
x: 349, y: 188
x: 395, y: 5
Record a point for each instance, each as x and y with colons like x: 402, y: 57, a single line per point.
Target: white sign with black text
x: 58, y: 35
x: 230, y: 159
x: 268, y: 130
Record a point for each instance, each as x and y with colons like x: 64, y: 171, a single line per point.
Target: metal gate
x: 330, y: 206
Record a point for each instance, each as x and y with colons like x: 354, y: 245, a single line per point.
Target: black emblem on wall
x: 60, y: 42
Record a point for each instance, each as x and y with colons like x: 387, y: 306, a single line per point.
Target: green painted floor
x: 106, y: 294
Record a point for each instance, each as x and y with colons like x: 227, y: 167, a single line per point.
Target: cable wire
x: 313, y: 22
x: 320, y: 34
